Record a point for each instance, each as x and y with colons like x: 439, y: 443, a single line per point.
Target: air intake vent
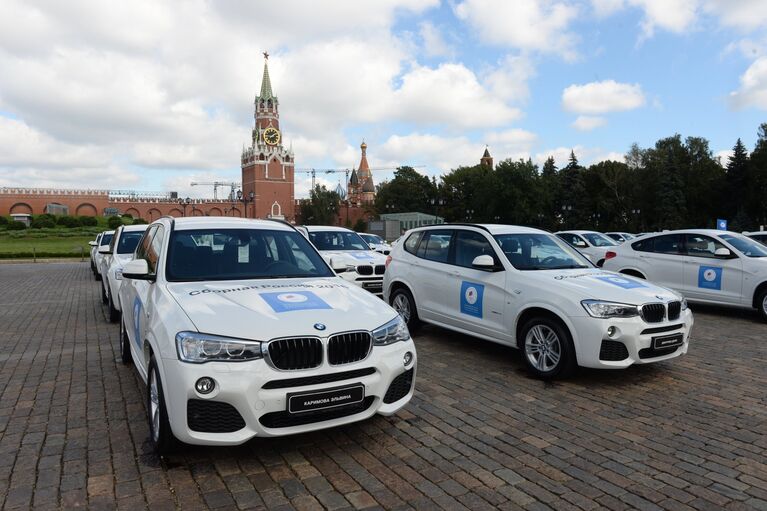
x: 399, y: 387
x: 613, y: 351
x: 212, y: 416
x: 296, y: 353
x: 349, y: 347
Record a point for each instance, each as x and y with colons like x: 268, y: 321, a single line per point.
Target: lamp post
x: 184, y: 203
x: 245, y: 199
x: 566, y: 209
x: 636, y: 213
x: 595, y: 218
x: 436, y: 203
x: 469, y: 214
x: 497, y: 218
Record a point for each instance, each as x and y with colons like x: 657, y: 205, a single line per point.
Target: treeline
x: 675, y: 184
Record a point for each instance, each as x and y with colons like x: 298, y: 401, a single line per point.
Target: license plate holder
x: 668, y: 341
x: 324, y: 399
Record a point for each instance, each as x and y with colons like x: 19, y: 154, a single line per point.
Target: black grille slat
x: 284, y: 419
x: 674, y: 310
x: 380, y: 268
x: 653, y: 312
x: 296, y: 353
x: 213, y: 416
x: 365, y: 269
x: 613, y: 351
x: 318, y: 380
x: 349, y: 347
x: 660, y: 329
x: 399, y: 387
x: 657, y: 352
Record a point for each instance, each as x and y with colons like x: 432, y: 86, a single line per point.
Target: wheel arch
x: 759, y: 289
x: 633, y: 272
x: 541, y: 310
x: 399, y: 284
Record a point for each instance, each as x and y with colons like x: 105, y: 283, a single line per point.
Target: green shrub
x: 43, y: 223
x: 128, y: 216
x: 45, y: 216
x: 139, y: 221
x: 69, y: 221
x: 114, y: 222
x: 15, y: 225
x: 88, y: 221
x: 3, y: 220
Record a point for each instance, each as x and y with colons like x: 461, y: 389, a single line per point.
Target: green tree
x: 572, y: 194
x: 15, y: 225
x: 757, y: 186
x: 549, y: 193
x: 407, y: 191
x: 114, y: 222
x: 360, y: 225
x: 321, y: 208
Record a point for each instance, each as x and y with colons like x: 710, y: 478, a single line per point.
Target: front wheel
x: 548, y: 348
x: 114, y: 314
x: 402, y: 301
x: 160, y: 434
x: 125, y: 355
x: 761, y: 304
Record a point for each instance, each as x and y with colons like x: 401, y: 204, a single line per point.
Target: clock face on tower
x: 272, y: 136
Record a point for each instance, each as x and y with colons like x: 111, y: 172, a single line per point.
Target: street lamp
x: 566, y: 209
x: 469, y: 214
x: 245, y: 200
x: 636, y: 213
x: 437, y: 203
x: 184, y: 203
x: 497, y: 218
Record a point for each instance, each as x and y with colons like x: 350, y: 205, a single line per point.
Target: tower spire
x: 266, y: 83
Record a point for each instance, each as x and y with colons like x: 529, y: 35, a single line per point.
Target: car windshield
x: 599, y: 240
x: 238, y: 254
x: 337, y: 240
x: 746, y: 246
x: 372, y: 238
x: 128, y: 242
x: 106, y: 239
x: 535, y: 251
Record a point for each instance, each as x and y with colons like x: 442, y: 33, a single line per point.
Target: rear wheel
x: 548, y: 348
x: 114, y: 314
x: 402, y: 301
x: 761, y: 304
x: 125, y: 355
x: 104, y: 297
x: 160, y: 434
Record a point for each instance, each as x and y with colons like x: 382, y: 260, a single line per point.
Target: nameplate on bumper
x: 667, y: 341
x: 300, y: 402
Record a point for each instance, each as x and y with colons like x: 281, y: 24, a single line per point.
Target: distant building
x: 486, y: 159
x: 413, y: 219
x: 361, y: 188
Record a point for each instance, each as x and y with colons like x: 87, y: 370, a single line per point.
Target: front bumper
x: 634, y: 333
x: 241, y: 385
x: 371, y: 283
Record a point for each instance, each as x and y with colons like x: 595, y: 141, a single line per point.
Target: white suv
x: 594, y: 245
x: 114, y: 256
x: 241, y: 329
x: 349, y: 255
x: 375, y: 242
x: 705, y: 265
x: 102, y: 240
x: 526, y: 288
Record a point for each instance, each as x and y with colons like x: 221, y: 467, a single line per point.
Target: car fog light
x: 205, y: 385
x: 407, y: 358
x: 611, y: 331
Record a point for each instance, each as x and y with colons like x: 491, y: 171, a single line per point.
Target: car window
x: 143, y: 246
x: 337, y: 240
x: 666, y: 244
x: 106, y: 239
x: 469, y: 245
x: 435, y: 246
x: 599, y: 240
x: 154, y: 249
x: 744, y: 245
x: 411, y: 243
x: 572, y: 239
x: 128, y: 242
x: 538, y: 251
x: 615, y: 236
x: 241, y: 254
x: 698, y: 245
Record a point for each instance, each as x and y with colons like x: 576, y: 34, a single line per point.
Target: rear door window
x: 435, y: 246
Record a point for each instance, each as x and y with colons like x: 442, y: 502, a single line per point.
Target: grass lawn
x: 49, y: 245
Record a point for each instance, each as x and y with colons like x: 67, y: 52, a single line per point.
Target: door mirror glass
x: 483, y: 262
x: 92, y: 243
x: 104, y: 249
x: 722, y: 252
x: 138, y: 269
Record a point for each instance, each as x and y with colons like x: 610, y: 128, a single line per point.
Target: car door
x: 661, y: 259
x: 430, y: 273
x: 475, y: 298
x: 708, y: 277
x: 144, y: 290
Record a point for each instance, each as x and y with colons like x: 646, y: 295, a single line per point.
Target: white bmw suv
x: 594, y: 245
x: 114, y: 256
x: 241, y: 329
x: 528, y: 289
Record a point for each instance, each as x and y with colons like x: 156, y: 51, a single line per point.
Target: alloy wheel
x: 154, y: 405
x: 543, y: 348
x: 402, y: 305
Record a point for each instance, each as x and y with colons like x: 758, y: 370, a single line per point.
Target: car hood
x: 355, y: 257
x: 266, y: 309
x: 597, y: 284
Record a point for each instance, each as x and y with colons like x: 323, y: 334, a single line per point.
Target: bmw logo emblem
x: 319, y: 326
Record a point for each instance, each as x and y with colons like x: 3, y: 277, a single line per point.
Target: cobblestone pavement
x: 480, y: 433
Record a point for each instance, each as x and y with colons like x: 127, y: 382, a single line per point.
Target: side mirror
x: 137, y: 269
x: 338, y: 265
x: 372, y: 246
x: 92, y: 243
x: 483, y: 262
x: 104, y: 249
x: 580, y: 244
x: 722, y: 252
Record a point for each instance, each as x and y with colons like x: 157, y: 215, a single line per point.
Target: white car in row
x: 704, y: 265
x: 620, y: 237
x: 526, y: 288
x: 102, y: 240
x: 375, y: 242
x: 594, y: 245
x: 349, y: 255
x: 115, y: 256
x: 760, y: 236
x: 241, y: 329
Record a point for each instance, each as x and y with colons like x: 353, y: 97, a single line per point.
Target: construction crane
x: 345, y: 171
x: 215, y: 184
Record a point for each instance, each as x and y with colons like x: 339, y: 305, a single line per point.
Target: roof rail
x: 282, y: 221
x: 459, y: 224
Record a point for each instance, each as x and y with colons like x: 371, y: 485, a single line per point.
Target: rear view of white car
x: 103, y: 240
x: 706, y: 266
x: 115, y: 255
x: 760, y: 236
x: 594, y: 245
x: 241, y: 329
x: 528, y: 289
x: 349, y: 255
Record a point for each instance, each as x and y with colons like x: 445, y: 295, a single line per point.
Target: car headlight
x: 199, y: 348
x: 600, y: 309
x: 119, y: 274
x: 393, y: 331
x: 684, y: 304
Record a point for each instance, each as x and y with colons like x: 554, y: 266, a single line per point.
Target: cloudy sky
x: 152, y: 94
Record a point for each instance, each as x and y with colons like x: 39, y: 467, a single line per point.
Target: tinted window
x: 599, y: 240
x: 128, y: 242
x: 106, y: 239
x: 143, y: 245
x: 746, y: 246
x: 153, y: 252
x: 701, y: 246
x: 469, y: 245
x: 666, y: 244
x: 337, y: 240
x: 435, y: 246
x: 535, y: 251
x: 234, y: 254
x: 572, y: 239
x: 411, y: 243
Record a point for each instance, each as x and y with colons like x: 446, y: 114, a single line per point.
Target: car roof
x: 135, y: 228
x: 578, y: 232
x: 491, y: 228
x: 219, y: 222
x: 708, y: 232
x: 755, y: 232
x: 108, y: 232
x: 317, y: 228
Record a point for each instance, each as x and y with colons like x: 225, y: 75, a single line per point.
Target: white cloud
x: 723, y: 156
x: 602, y: 97
x: 753, y: 87
x: 510, y: 79
x: 585, y: 155
x: 434, y: 44
x: 539, y: 25
x: 588, y: 122
x: 436, y: 152
x: 675, y: 16
x: 745, y: 15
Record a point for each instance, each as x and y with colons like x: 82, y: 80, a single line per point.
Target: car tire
x: 104, y: 297
x: 761, y: 304
x: 114, y: 314
x: 547, y: 348
x: 97, y: 276
x: 402, y: 301
x: 160, y: 435
x: 125, y: 355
